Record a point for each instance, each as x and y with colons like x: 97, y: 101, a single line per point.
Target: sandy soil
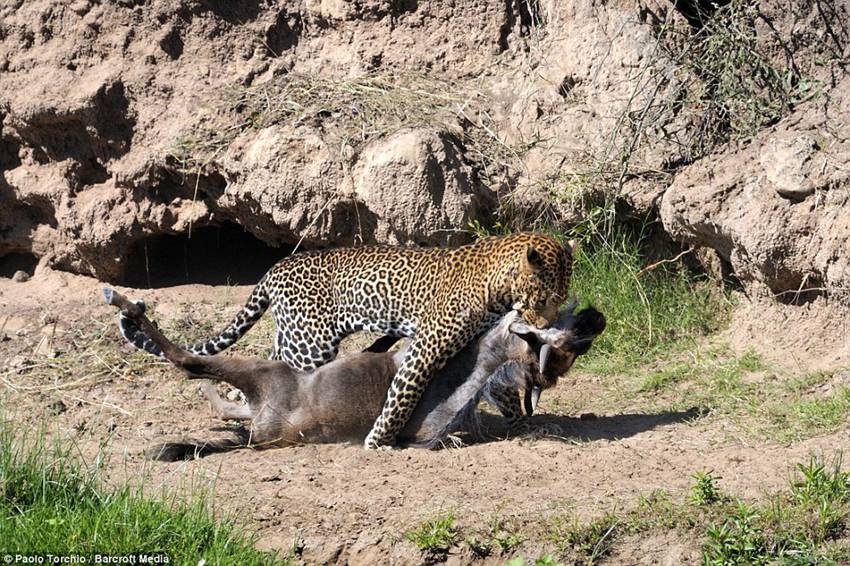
x: 348, y: 505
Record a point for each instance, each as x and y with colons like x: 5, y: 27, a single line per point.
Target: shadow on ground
x: 491, y: 428
x: 586, y: 428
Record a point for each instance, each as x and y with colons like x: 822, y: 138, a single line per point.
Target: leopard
x: 439, y: 298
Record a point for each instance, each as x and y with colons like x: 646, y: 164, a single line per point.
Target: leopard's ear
x: 573, y: 246
x: 532, y: 262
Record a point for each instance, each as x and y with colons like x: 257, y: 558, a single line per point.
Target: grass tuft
x: 592, y: 540
x: 805, y: 524
x: 434, y: 535
x: 647, y: 311
x: 44, y: 484
x: 705, y: 490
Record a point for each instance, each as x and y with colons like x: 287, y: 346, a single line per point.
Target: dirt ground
x: 62, y: 357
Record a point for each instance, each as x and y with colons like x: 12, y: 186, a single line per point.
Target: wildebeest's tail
x: 190, y: 449
x: 254, y: 308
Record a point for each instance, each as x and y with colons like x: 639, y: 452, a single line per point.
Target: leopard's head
x: 542, y: 277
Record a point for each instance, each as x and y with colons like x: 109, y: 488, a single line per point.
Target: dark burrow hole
x: 213, y: 255
x: 697, y: 12
x: 807, y: 293
x: 10, y: 263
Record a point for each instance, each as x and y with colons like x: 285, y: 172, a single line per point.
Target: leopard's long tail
x: 254, y: 308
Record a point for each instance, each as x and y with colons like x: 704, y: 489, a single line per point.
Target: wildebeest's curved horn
x: 545, y: 350
x: 532, y: 396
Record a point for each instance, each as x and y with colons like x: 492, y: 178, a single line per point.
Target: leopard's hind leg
x: 304, y: 343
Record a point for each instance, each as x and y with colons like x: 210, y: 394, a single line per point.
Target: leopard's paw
x: 530, y: 429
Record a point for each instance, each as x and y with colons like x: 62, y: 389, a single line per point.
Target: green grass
x: 648, y: 312
x: 804, y: 525
x: 765, y: 401
x: 505, y: 535
x: 53, y: 502
x: 807, y: 523
x: 591, y: 540
x: 801, y: 415
x: 435, y: 535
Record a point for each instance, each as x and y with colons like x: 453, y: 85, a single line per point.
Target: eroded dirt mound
x: 777, y: 209
x: 338, y: 124
x: 98, y: 99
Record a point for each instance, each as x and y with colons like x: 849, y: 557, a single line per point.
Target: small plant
x: 435, y: 535
x: 505, y: 534
x: 595, y: 539
x: 738, y: 540
x: 480, y: 231
x: 508, y: 541
x: 821, y: 484
x: 481, y: 548
x: 705, y: 491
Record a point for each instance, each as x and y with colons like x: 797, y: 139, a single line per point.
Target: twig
x: 101, y: 403
x: 663, y: 261
x: 809, y: 290
x: 315, y: 218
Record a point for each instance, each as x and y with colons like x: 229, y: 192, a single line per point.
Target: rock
x: 783, y: 160
x: 18, y: 364
x: 45, y: 348
x: 321, y: 551
x: 417, y: 188
x: 775, y: 210
x: 20, y: 276
x: 234, y: 395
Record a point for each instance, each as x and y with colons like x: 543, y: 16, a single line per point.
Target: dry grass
x: 349, y: 112
x: 695, y: 90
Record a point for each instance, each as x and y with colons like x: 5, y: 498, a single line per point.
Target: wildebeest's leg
x: 224, y: 409
x: 171, y: 351
x: 197, y: 366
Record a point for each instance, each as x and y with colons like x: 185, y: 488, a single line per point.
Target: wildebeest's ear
x: 532, y: 262
x: 529, y: 335
x: 591, y: 322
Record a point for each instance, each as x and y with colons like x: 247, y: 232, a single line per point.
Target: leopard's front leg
x: 507, y: 401
x: 429, y: 351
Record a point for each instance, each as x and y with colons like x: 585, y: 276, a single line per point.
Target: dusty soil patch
x: 342, y: 503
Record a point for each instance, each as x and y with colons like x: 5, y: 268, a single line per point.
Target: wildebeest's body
x: 340, y: 400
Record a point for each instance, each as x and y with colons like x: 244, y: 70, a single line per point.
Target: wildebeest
x: 340, y: 400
